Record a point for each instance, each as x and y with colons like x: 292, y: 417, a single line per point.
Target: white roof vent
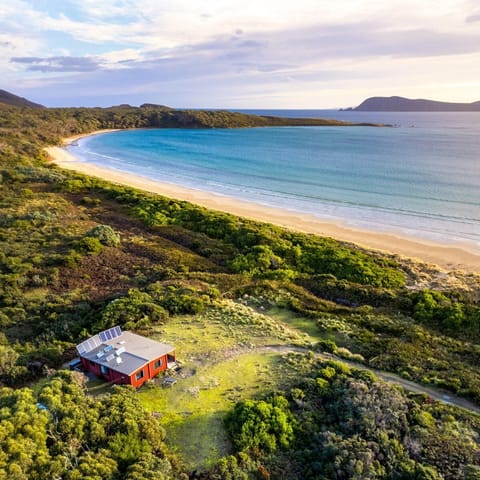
x: 119, y: 351
x: 119, y: 359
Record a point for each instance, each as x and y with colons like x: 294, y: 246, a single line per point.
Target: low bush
x: 105, y: 234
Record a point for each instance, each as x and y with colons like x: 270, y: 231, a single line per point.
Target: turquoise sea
x: 420, y: 178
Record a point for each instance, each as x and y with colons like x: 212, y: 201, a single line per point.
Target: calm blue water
x: 421, y: 178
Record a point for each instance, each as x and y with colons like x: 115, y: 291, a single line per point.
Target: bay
x: 420, y: 178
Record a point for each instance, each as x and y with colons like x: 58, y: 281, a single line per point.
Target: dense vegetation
x: 62, y: 433
x: 78, y: 254
x: 336, y: 423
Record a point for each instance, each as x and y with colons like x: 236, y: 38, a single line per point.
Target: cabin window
x: 104, y: 369
x: 157, y: 364
x: 140, y: 375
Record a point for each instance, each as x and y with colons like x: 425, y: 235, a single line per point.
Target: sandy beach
x: 68, y: 140
x: 459, y: 256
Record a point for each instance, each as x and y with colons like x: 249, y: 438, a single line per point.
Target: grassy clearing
x: 194, y: 338
x: 307, y: 326
x: 225, y: 326
x: 326, y: 327
x: 220, y: 367
x: 192, y: 410
x: 200, y: 439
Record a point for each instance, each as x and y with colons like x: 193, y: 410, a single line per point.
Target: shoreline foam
x: 458, y: 256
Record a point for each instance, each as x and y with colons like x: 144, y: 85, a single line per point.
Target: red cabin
x: 124, y: 357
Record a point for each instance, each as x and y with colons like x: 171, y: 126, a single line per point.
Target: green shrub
x: 260, y: 424
x: 105, y: 234
x: 135, y: 310
x: 326, y: 346
x: 72, y: 259
x: 91, y: 201
x: 89, y: 245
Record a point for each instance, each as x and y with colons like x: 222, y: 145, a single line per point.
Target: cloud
x: 254, y: 61
x: 106, y: 9
x: 363, y: 40
x: 150, y: 26
x: 315, y: 46
x: 185, y: 49
x: 473, y: 18
x: 58, y: 64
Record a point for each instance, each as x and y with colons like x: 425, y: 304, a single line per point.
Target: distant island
x: 401, y: 104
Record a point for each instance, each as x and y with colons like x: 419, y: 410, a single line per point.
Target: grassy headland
x: 223, y: 289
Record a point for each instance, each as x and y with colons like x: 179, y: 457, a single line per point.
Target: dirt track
x: 434, y: 393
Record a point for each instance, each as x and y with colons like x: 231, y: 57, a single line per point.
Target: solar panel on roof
x: 88, y: 345
x: 110, y: 334
x: 95, y: 341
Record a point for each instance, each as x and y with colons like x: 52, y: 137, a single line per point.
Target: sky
x: 239, y: 53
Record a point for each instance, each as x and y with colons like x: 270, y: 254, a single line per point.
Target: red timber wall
x: 111, y: 376
x: 145, y: 373
x: 148, y: 371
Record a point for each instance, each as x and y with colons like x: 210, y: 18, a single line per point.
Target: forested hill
x: 149, y: 115
x: 66, y: 121
x: 11, y: 99
x: 401, y: 104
